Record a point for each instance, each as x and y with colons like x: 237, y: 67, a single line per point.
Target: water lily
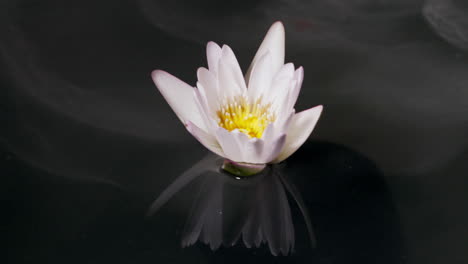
x: 251, y: 120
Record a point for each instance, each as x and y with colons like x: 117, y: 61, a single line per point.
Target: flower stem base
x: 241, y: 169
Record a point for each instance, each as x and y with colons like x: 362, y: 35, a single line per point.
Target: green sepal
x: 242, y: 169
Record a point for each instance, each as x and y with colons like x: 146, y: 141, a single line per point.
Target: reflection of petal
x: 198, y: 214
x: 251, y: 232
x: 270, y: 214
x: 237, y: 202
x: 300, y: 203
x: 225, y: 210
x: 202, y: 166
x: 212, y: 227
x: 287, y: 240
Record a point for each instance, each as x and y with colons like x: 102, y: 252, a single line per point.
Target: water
x: 89, y: 144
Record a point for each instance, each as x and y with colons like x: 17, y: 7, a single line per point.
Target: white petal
x: 251, y: 148
x: 228, y: 87
x: 281, y: 103
x: 298, y: 77
x: 205, y: 139
x: 261, y: 77
x: 207, y: 84
x: 229, y: 145
x: 254, y: 150
x: 283, y: 86
x: 207, y: 118
x: 237, y: 146
x: 282, y: 124
x: 301, y: 126
x: 229, y: 59
x: 213, y: 54
x: 272, y: 141
x: 269, y: 133
x: 283, y: 83
x: 179, y: 96
x: 286, y: 71
x: 276, y: 147
x: 273, y: 42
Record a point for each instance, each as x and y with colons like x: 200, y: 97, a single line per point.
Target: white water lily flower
x: 249, y: 121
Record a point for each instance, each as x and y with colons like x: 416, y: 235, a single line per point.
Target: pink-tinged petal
x: 228, y: 86
x: 286, y: 71
x: 298, y: 77
x: 285, y: 88
x: 269, y: 138
x: 213, y: 54
x: 279, y: 89
x: 206, y: 98
x: 282, y: 124
x: 281, y: 96
x: 254, y: 149
x: 277, y: 147
x: 273, y: 42
x: 238, y: 147
x: 261, y: 77
x: 269, y: 133
x: 207, y: 84
x: 251, y: 148
x: 202, y: 106
x: 286, y: 104
x: 300, y: 129
x: 232, y: 69
x: 241, y: 140
x: 205, y: 139
x: 229, y: 145
x: 179, y: 96
x: 230, y: 58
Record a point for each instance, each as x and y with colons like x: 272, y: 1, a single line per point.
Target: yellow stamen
x: 249, y: 117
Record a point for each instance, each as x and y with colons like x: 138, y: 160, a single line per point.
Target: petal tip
x: 225, y: 49
x: 211, y: 44
x: 316, y: 110
x: 278, y: 25
x: 319, y: 108
x: 199, y: 72
x: 156, y: 74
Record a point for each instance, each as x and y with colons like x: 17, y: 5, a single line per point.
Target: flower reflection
x: 229, y: 210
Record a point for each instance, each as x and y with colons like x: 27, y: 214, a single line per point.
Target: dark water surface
x: 88, y: 143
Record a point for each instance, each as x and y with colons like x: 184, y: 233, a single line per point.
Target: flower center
x: 249, y: 117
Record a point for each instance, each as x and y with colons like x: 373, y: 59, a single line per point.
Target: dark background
x: 87, y: 142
